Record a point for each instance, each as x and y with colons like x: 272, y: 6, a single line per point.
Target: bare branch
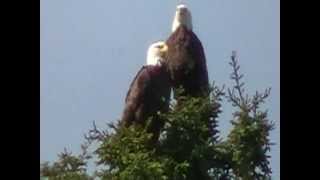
x: 239, y: 100
x: 237, y: 95
x: 95, y: 134
x: 259, y: 98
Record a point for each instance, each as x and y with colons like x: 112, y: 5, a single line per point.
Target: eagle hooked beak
x: 164, y: 49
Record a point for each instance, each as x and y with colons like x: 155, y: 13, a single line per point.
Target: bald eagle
x: 149, y: 92
x: 186, y: 60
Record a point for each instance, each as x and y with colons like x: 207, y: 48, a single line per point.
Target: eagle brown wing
x: 187, y: 63
x: 135, y: 97
x: 141, y: 71
x: 149, y: 93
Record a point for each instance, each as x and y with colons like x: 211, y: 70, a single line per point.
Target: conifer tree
x: 189, y: 147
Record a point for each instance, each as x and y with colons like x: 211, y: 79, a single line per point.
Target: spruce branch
x: 236, y: 95
x: 95, y: 134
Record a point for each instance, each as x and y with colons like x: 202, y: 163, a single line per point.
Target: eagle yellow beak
x: 164, y: 49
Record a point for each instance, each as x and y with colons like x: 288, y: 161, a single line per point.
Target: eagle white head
x: 156, y: 53
x: 182, y: 17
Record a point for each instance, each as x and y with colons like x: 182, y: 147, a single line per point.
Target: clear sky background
x: 92, y: 49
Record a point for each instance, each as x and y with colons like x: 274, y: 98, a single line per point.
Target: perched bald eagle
x: 149, y: 92
x: 186, y: 60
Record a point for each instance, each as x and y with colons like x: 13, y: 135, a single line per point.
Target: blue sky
x: 92, y: 49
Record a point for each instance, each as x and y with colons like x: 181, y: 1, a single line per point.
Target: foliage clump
x: 68, y: 166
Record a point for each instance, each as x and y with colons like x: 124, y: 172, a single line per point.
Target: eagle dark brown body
x: 186, y: 62
x: 149, y: 93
